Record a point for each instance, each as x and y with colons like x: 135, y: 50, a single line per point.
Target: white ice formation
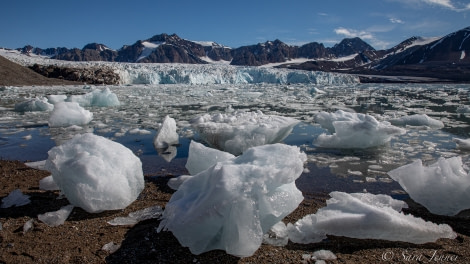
x: 15, y: 198
x: 235, y: 132
x: 354, y: 130
x: 166, y: 135
x: 48, y: 184
x: 35, y: 104
x: 99, y: 98
x: 463, y: 144
x: 443, y: 187
x: 56, y: 218
x: 201, y: 157
x: 69, y: 113
x: 138, y: 216
x: 366, y: 216
x: 230, y: 205
x: 417, y: 120
x: 96, y: 173
x: 277, y: 235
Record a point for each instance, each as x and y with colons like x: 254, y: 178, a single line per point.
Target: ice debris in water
x: 56, y: 98
x: 353, y: 130
x: 230, y: 205
x: 235, y: 132
x: 463, y: 144
x: 35, y: 104
x: 443, y: 187
x: 15, y: 198
x: 96, y: 173
x: 56, y: 218
x: 366, y: 216
x: 417, y: 120
x: 69, y: 113
x: 100, y: 98
x: 166, y: 135
x: 137, y: 216
x: 277, y: 235
x: 48, y: 184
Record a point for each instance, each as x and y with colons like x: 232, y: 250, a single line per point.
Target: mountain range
x: 443, y: 57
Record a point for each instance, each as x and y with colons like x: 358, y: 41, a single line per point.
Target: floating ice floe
x: 15, y: 198
x: 100, y: 98
x: 230, y: 205
x: 35, y: 104
x: 417, y: 121
x: 56, y: 218
x: 56, y: 98
x: 138, y: 216
x: 353, y: 130
x: 463, y: 144
x: 166, y: 135
x: 443, y: 187
x: 235, y: 132
x: 366, y: 216
x: 96, y: 173
x: 69, y: 113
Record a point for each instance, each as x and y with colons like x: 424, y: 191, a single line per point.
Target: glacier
x: 176, y: 73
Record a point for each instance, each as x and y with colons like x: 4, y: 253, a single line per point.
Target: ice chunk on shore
x: 201, y: 157
x: 15, y: 198
x: 443, y: 187
x: 69, y: 113
x: 277, y: 235
x: 417, y: 120
x: 232, y: 204
x: 96, y: 173
x: 56, y: 218
x: 48, y: 184
x: 39, y: 165
x: 366, y: 216
x: 100, y: 98
x: 166, y: 135
x: 35, y: 104
x: 235, y: 132
x: 362, y: 131
x: 137, y: 216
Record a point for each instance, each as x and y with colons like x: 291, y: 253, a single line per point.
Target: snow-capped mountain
x: 446, y: 56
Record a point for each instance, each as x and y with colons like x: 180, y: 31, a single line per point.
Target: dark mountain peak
x: 164, y: 38
x: 96, y: 46
x: 349, y: 46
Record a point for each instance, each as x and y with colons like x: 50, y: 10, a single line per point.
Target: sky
x: 73, y: 23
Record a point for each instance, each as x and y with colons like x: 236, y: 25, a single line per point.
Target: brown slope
x: 13, y: 74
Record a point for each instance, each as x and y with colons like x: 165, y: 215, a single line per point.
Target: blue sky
x: 381, y: 23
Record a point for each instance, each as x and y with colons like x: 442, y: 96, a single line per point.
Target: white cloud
x: 448, y: 4
x: 352, y: 33
x: 396, y: 20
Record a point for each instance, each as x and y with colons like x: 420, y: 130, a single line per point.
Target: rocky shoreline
x: 82, y: 237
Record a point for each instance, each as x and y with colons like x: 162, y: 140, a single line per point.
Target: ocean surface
x: 27, y: 136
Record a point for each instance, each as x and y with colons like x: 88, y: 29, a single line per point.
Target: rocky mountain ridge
x: 444, y: 57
